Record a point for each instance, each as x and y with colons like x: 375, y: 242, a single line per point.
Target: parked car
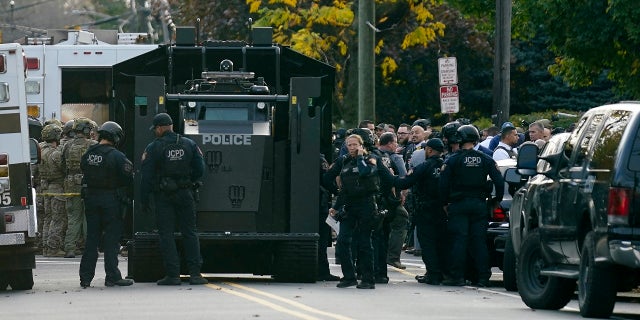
x: 577, y: 220
x: 522, y: 204
x: 499, y: 219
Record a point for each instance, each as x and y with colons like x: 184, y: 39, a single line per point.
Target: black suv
x: 578, y: 216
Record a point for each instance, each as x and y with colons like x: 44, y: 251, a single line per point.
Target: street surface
x: 57, y: 295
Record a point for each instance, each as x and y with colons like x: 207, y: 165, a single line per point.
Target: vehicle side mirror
x: 527, y: 159
x: 34, y: 151
x: 511, y: 175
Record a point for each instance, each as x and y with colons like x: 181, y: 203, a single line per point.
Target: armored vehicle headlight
x: 261, y: 105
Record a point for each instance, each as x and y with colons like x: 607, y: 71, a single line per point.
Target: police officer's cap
x: 435, y: 144
x: 161, y: 119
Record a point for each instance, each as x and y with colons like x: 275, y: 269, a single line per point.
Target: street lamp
x: 12, y: 4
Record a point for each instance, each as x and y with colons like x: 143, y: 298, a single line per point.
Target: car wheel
x: 596, y: 285
x: 509, y: 266
x: 537, y: 291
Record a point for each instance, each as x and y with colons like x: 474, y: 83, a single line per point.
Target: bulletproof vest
x: 176, y: 159
x: 512, y: 154
x: 73, y: 152
x: 353, y: 185
x: 99, y: 168
x: 49, y: 164
x: 469, y: 177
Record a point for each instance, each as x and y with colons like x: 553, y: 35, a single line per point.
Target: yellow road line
x: 288, y: 301
x: 263, y: 302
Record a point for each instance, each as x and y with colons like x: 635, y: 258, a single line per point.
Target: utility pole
x: 366, y: 60
x: 502, y: 63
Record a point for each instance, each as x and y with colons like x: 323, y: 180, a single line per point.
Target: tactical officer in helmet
x: 67, y: 132
x: 171, y: 165
x: 463, y: 191
x: 106, y: 174
x: 71, y: 154
x: 51, y: 173
x: 450, y: 138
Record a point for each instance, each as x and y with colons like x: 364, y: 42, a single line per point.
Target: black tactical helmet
x: 424, y: 123
x: 449, y: 131
x: 111, y: 131
x: 51, y: 132
x: 83, y: 125
x: 366, y: 135
x: 468, y: 133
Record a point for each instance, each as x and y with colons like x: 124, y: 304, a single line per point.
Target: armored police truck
x: 261, y: 114
x: 18, y: 224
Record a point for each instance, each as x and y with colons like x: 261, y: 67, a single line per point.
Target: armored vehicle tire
x: 21, y: 279
x: 596, y: 285
x: 296, y: 261
x: 537, y: 291
x: 509, y: 266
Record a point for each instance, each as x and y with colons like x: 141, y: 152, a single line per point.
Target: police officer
x: 171, y: 164
x: 394, y: 228
x: 67, y: 132
x: 106, y: 174
x: 324, y: 231
x: 429, y: 217
x: 71, y: 154
x: 51, y: 174
x: 463, y: 182
x: 359, y: 183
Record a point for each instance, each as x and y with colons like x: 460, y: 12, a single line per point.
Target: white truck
x: 18, y: 222
x: 73, y: 78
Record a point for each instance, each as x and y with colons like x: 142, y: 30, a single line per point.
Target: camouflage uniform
x: 40, y: 211
x: 71, y: 156
x: 51, y: 174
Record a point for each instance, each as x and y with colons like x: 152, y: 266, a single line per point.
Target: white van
x: 18, y: 223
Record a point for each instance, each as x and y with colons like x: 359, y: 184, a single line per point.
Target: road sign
x: 449, y: 99
x: 448, y: 71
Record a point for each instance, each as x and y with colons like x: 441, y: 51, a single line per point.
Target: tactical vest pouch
x: 77, y: 178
